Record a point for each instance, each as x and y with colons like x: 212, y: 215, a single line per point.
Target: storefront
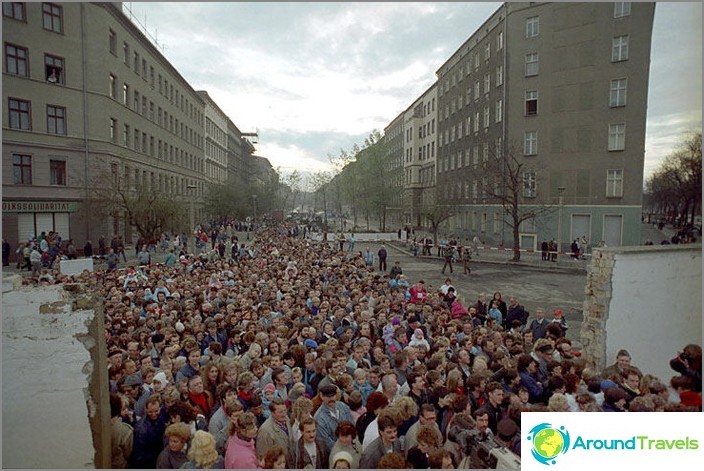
x: 31, y: 218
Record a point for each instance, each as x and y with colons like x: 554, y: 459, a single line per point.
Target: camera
x: 484, y: 451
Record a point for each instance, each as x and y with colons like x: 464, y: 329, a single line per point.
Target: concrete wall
x: 645, y: 299
x: 55, y: 406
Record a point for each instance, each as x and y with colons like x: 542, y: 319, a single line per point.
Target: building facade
x: 88, y: 100
x: 560, y: 90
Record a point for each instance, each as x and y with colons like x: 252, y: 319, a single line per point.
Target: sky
x: 313, y: 79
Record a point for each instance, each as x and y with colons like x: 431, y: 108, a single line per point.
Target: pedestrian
x: 544, y: 248
x: 382, y: 254
x: 450, y: 256
x: 466, y: 257
x: 88, y: 249
x: 5, y: 253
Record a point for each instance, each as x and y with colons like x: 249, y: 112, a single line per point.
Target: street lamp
x: 191, y: 214
x: 561, y: 189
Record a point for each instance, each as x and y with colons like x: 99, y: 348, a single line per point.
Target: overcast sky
x: 316, y: 78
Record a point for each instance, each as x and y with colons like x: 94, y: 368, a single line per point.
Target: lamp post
x: 191, y: 215
x: 561, y: 189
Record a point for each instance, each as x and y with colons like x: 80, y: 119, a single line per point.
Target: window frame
x: 62, y: 173
x: 622, y: 9
x: 531, y: 103
x: 19, y: 112
x: 56, y: 13
x: 17, y: 59
x: 614, y: 183
x: 22, y: 166
x: 530, y: 64
x: 617, y: 94
x: 12, y: 13
x: 113, y: 130
x: 56, y: 118
x: 619, y: 48
x: 51, y: 60
x: 617, y: 137
x: 530, y: 143
x: 529, y: 184
x: 532, y: 27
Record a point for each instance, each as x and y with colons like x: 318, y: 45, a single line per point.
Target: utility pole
x: 561, y: 189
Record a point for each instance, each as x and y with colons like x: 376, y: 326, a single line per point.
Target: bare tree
x: 149, y: 211
x: 512, y: 183
x: 675, y: 189
x: 436, y: 210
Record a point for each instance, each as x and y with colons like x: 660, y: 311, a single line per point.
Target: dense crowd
x: 284, y: 352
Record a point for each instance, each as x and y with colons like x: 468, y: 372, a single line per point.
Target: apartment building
x: 560, y: 88
x: 216, y: 140
x: 87, y: 98
x: 393, y: 142
x: 419, y: 159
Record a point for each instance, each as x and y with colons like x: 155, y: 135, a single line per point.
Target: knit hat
x: 342, y: 455
x: 310, y: 343
x: 269, y: 388
x: 163, y: 382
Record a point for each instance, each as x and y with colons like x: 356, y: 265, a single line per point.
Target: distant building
x: 563, y: 87
x: 87, y: 97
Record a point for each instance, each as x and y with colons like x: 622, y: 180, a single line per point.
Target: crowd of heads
x: 291, y: 328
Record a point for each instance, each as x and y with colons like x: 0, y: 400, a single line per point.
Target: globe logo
x: 548, y: 442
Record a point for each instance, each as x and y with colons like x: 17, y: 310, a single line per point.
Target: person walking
x: 450, y: 256
x: 382, y: 254
x: 5, y: 253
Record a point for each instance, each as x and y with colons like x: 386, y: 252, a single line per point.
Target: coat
x: 240, y: 454
x: 271, y: 435
x: 122, y: 439
x: 300, y: 459
x: 375, y: 451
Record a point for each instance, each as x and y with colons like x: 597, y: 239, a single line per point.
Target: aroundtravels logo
x: 548, y: 442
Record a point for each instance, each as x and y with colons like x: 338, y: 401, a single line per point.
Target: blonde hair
x: 406, y: 407
x: 558, y: 403
x: 302, y: 407
x: 202, y: 450
x: 179, y: 430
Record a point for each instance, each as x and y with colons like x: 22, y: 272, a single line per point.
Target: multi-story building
x: 216, y: 140
x: 393, y: 145
x: 419, y: 160
x: 561, y: 90
x: 88, y: 98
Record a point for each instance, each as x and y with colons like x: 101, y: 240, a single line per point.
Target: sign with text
x: 39, y: 206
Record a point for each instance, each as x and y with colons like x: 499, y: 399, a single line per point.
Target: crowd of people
x: 290, y: 353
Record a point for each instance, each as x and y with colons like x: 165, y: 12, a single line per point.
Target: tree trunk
x: 516, y: 242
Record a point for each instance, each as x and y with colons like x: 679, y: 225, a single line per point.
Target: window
x: 113, y: 130
x: 499, y: 40
x: 22, y: 169
x: 530, y: 143
x: 617, y: 96
x: 112, y: 42
x: 126, y: 135
x: 485, y: 153
x: 54, y: 69
x: 617, y: 136
x: 499, y: 112
x: 531, y: 103
x: 476, y: 61
x: 475, y: 155
x: 144, y: 69
x: 532, y: 26
x: 57, y: 172
x: 487, y: 51
x: 476, y: 121
x: 529, y: 184
x: 622, y: 9
x: 14, y: 10
x: 126, y: 54
x: 16, y: 60
x: 53, y: 17
x: 531, y: 64
x: 113, y: 86
x: 125, y: 94
x: 20, y: 114
x: 619, y: 48
x: 486, y: 117
x: 55, y: 119
x: 135, y: 106
x: 151, y: 75
x: 476, y: 90
x: 499, y: 75
x: 136, y: 62
x: 136, y: 139
x: 614, y: 183
x: 487, y: 83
